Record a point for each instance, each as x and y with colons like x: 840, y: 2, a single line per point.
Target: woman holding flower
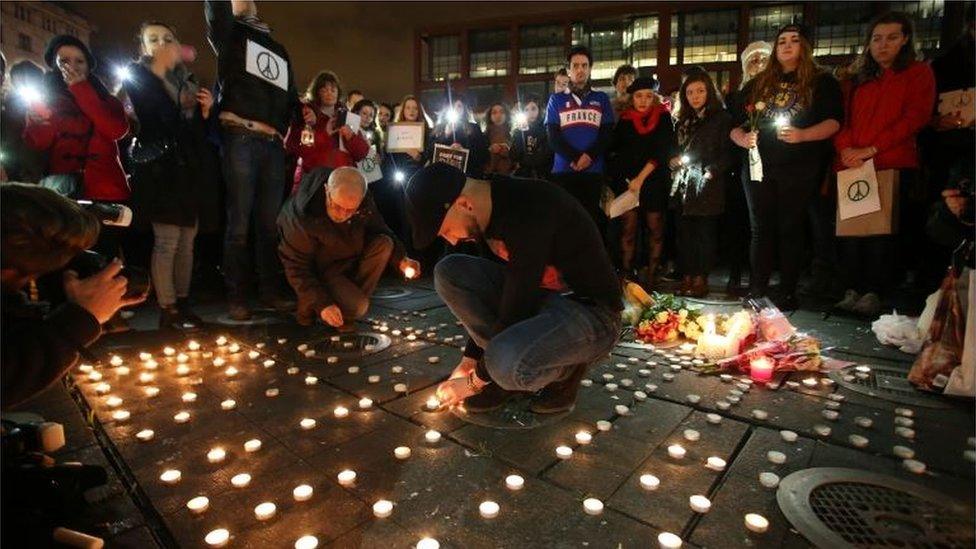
x: 788, y: 113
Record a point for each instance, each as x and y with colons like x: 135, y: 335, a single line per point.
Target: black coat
x: 531, y: 150
x: 469, y: 136
x: 174, y: 175
x: 630, y: 151
x: 709, y: 151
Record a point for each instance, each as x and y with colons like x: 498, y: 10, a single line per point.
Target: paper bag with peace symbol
x: 857, y: 191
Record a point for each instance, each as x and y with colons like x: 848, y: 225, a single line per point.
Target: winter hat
x: 65, y: 40
x: 798, y: 28
x: 757, y: 46
x: 644, y: 83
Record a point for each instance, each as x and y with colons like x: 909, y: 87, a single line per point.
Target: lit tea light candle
x: 230, y: 371
x: 182, y: 370
x: 116, y: 360
x: 169, y: 351
x: 145, y: 435
x: 122, y: 370
x: 193, y: 345
x: 365, y: 403
x: 603, y: 425
x: 253, y: 354
x: 216, y: 455
x: 592, y: 506
x: 95, y: 376
x: 102, y: 388
x: 778, y: 458
x: 903, y: 452
x: 346, y: 477
x: 353, y: 369
x: 831, y: 415
x: 811, y: 382
x: 198, y: 504
x: 488, y: 509
x: 756, y: 523
x: 151, y: 391
x: 171, y: 476
x: 340, y: 412
x: 265, y: 510
x: 311, y: 380
x: 906, y: 412
x: 307, y: 542
x: 621, y: 410
x: 676, y: 451
x: 667, y: 540
x: 268, y: 363
x: 400, y: 388
x: 914, y: 466
x: 564, y: 452
x: 144, y: 356
x: 428, y: 543
x: 219, y: 361
x: 433, y: 403
x: 292, y: 370
x: 584, y: 437
x: 649, y: 482
x: 272, y: 392
x: 714, y: 419
x: 691, y: 435
x: 113, y: 402
x: 723, y: 404
x: 240, y: 480
x: 234, y: 347
x: 228, y: 404
x: 307, y: 423
x: 514, y: 482
x: 715, y: 463
x: 182, y: 357
x: 432, y: 436
x: 699, y: 504
x: 900, y: 421
x: 383, y: 508
x: 181, y: 417
x: 905, y: 432
x: 217, y: 538
x: 150, y: 364
x: 120, y: 415
x: 760, y: 414
x: 401, y: 452
x: 302, y: 492
x: 309, y: 353
x: 769, y: 480
x: 433, y: 359
x: 822, y: 430
x: 188, y: 397
x: 858, y: 441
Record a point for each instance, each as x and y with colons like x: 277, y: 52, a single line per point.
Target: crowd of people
x: 189, y: 159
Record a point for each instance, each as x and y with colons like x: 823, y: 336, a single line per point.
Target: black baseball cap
x: 428, y: 195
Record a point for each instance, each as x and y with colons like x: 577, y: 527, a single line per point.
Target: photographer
x: 41, y: 232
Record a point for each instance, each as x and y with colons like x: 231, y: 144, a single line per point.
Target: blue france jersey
x: 579, y: 120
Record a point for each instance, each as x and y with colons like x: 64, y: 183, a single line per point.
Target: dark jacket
x: 81, y: 135
x: 532, y: 153
x: 709, y: 151
x: 20, y: 162
x: 254, y: 72
x: 469, y: 136
x: 39, y: 347
x: 630, y: 151
x: 173, y: 166
x: 311, y: 242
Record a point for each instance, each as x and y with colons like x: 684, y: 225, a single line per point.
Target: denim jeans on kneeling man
x: 537, y: 351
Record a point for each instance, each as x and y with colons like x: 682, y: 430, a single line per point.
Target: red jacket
x: 81, y: 136
x: 325, y: 151
x: 887, y: 113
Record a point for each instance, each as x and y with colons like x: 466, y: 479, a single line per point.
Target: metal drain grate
x: 391, y: 293
x: 361, y: 343
x: 885, y: 383
x: 836, y: 508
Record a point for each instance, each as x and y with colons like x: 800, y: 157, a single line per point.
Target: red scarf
x: 644, y: 123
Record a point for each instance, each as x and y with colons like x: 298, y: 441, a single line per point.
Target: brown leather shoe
x: 699, y: 287
x: 685, y: 286
x: 559, y: 396
x: 491, y: 398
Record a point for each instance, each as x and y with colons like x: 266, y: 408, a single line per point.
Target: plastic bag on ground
x: 900, y: 331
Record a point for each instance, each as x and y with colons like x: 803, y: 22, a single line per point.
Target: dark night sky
x: 369, y: 44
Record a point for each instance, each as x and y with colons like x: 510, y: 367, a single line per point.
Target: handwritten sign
x: 453, y: 157
x: 405, y: 136
x: 959, y: 103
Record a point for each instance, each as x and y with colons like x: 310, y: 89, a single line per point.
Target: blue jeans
x: 537, y: 351
x: 254, y: 171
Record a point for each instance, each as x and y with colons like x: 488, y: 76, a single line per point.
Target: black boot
x: 169, y: 318
x: 491, y: 398
x: 186, y: 313
x: 560, y: 396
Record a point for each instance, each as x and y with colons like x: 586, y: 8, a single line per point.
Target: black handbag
x: 141, y: 152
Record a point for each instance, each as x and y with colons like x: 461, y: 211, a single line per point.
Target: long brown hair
x: 807, y: 70
x: 713, y: 101
x: 422, y: 113
x: 865, y: 68
x: 317, y: 83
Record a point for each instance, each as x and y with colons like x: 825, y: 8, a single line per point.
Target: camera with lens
x: 107, y: 213
x: 51, y: 286
x: 18, y: 439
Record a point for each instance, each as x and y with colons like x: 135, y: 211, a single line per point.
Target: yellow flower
x: 662, y: 317
x: 760, y: 106
x: 683, y: 314
x: 672, y: 335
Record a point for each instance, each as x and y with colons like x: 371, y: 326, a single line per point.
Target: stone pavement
x: 645, y: 402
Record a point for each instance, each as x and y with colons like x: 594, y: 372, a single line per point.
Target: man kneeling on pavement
x: 536, y: 322
x: 335, y: 247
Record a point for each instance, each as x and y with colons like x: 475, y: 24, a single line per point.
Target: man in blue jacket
x: 257, y: 99
x: 579, y: 122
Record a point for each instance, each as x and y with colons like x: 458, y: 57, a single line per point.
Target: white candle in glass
x: 307, y: 423
x: 383, y: 508
x: 514, y: 482
x: 346, y: 477
x: 428, y: 543
x: 433, y: 437
x: 198, y: 504
x: 401, y: 452
x: 216, y: 455
x: 564, y: 452
x: 340, y: 411
x: 252, y: 445
x: 584, y: 437
x: 217, y: 538
x: 756, y: 523
x: 488, y: 509
x: 181, y: 417
x: 307, y: 542
x: 171, y: 476
x: 302, y: 492
x: 145, y: 435
x: 240, y: 480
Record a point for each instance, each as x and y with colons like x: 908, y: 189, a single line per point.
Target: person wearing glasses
x: 335, y: 246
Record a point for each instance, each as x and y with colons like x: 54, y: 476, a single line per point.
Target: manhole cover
x: 358, y: 343
x: 839, y: 508
x: 391, y: 293
x: 258, y: 318
x: 884, y: 383
x: 514, y: 415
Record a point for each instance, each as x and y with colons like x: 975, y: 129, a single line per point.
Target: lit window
x: 433, y: 100
x: 489, y: 53
x: 840, y: 27
x: 542, y: 89
x: 643, y: 41
x: 709, y: 37
x: 766, y: 21
x: 606, y: 42
x: 541, y: 49
x: 441, y: 58
x: 480, y: 97
x: 927, y: 15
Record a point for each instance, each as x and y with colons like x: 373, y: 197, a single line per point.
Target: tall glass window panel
x: 541, y: 49
x: 766, y: 20
x: 481, y: 97
x: 440, y: 58
x: 541, y: 89
x: 840, y: 27
x: 643, y: 41
x: 927, y: 16
x: 490, y: 53
x: 608, y: 48
x: 710, y: 37
x: 675, y: 36
x: 723, y: 81
x: 434, y: 100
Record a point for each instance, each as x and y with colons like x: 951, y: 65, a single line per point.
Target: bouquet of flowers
x: 667, y: 318
x: 754, y: 112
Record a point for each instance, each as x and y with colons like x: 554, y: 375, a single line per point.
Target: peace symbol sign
x: 368, y: 164
x: 858, y: 190
x: 268, y: 66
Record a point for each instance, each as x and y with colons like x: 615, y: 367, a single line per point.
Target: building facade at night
x: 26, y: 27
x: 511, y: 57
